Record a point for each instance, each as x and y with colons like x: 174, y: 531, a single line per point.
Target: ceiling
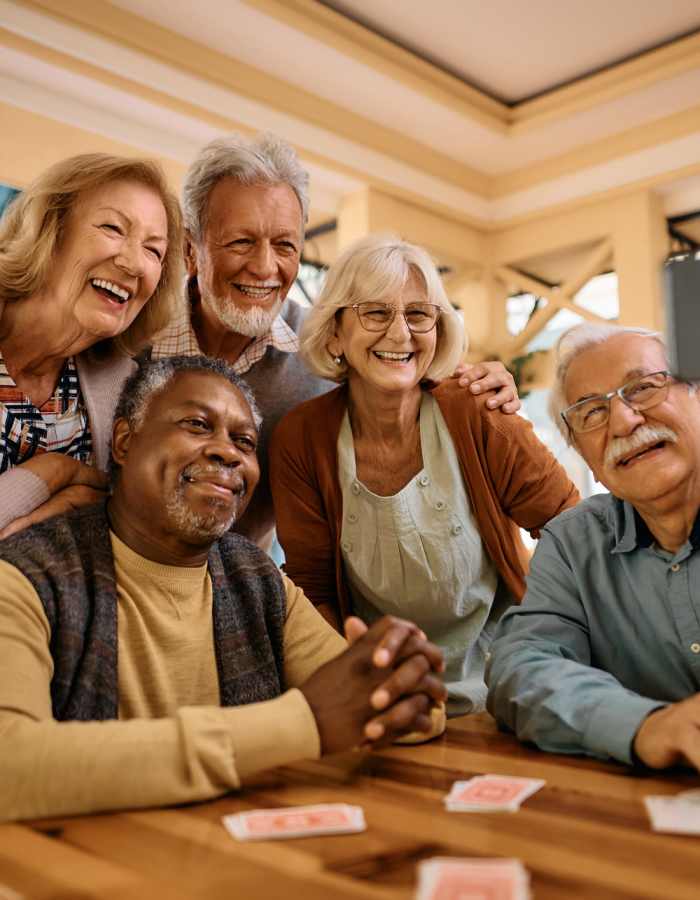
x: 514, y: 51
x: 485, y: 113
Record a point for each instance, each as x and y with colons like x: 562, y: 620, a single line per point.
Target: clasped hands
x: 382, y: 687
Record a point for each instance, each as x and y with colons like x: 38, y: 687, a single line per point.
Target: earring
x: 338, y: 360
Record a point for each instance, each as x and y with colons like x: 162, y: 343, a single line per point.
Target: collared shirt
x: 179, y: 339
x: 60, y: 425
x: 609, y: 630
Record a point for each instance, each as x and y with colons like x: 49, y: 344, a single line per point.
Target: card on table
x: 491, y: 793
x: 449, y: 878
x: 295, y: 821
x: 677, y: 815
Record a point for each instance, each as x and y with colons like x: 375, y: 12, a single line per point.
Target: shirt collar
x: 180, y: 339
x: 631, y: 531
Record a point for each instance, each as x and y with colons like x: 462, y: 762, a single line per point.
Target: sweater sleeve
x: 22, y: 492
x: 52, y: 768
x: 303, y: 525
x: 533, y: 487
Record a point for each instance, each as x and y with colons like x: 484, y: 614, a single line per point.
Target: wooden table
x: 585, y: 835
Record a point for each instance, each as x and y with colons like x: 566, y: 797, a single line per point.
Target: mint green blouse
x: 418, y: 554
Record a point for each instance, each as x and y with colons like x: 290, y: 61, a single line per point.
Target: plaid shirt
x: 59, y: 426
x: 179, y: 339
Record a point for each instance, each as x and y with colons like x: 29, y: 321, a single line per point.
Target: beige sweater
x: 172, y: 743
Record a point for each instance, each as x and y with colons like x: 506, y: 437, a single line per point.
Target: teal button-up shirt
x: 608, y: 631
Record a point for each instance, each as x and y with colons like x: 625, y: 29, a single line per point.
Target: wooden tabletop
x: 584, y: 835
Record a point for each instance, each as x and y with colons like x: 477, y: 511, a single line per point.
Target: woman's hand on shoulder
x: 59, y: 471
x: 492, y: 376
x: 64, y: 501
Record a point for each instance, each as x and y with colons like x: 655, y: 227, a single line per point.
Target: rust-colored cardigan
x: 511, y: 479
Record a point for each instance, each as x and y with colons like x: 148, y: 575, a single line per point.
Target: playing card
x: 295, y: 821
x: 447, y: 878
x: 679, y: 814
x: 491, y: 793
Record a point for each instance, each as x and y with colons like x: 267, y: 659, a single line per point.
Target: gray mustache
x: 640, y: 437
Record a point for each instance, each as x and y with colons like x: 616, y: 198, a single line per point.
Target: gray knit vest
x: 68, y: 560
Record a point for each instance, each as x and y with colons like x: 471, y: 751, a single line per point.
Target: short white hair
x: 375, y: 267
x: 266, y: 159
x: 570, y: 345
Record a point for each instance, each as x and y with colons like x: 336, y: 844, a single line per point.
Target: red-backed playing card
x: 295, y: 821
x: 472, y: 879
x: 491, y: 793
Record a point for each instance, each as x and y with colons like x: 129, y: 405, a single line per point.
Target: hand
x: 346, y: 693
x: 670, y: 735
x: 59, y: 471
x: 63, y: 501
x: 490, y: 376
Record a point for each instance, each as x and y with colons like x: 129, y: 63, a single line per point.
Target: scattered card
x: 491, y: 793
x: 677, y: 815
x: 449, y: 878
x: 295, y: 821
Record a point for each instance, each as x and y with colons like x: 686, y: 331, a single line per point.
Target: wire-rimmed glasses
x: 374, y: 315
x: 639, y: 394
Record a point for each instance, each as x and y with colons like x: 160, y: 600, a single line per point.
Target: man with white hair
x: 246, y: 204
x: 603, y: 656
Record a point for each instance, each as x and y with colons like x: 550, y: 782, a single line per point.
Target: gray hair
x: 154, y: 376
x: 570, y: 345
x: 374, y: 267
x: 266, y: 159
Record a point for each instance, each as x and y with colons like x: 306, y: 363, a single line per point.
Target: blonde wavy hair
x: 373, y: 268
x: 33, y: 224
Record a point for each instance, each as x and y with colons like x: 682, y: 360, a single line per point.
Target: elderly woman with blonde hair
x: 90, y: 261
x: 397, y: 492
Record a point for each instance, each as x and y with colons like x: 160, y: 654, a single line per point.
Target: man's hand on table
x: 383, y: 686
x: 493, y: 376
x: 670, y: 736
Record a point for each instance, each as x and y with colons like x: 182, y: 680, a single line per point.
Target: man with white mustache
x: 603, y: 656
x: 246, y: 206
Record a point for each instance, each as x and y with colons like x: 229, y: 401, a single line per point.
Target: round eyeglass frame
x: 394, y: 310
x: 658, y: 397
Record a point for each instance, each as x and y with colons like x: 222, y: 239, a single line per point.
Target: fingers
x: 355, y: 628
x: 670, y: 735
x: 467, y: 374
x: 416, y: 644
x: 90, y: 477
x: 409, y: 714
x: 17, y: 525
x: 395, y: 633
x: 412, y: 676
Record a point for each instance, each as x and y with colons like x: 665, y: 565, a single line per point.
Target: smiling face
x: 108, y: 261
x: 249, y: 254
x: 188, y: 472
x: 394, y: 361
x: 635, y: 454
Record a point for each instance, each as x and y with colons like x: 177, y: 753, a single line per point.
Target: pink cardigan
x: 511, y: 480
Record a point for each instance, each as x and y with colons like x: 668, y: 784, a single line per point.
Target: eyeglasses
x: 375, y: 316
x: 639, y: 394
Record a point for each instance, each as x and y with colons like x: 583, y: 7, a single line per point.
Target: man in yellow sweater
x: 149, y: 656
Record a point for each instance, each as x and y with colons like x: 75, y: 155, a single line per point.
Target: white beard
x: 196, y: 527
x: 252, y: 322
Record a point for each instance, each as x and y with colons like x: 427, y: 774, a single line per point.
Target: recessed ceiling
x: 513, y: 50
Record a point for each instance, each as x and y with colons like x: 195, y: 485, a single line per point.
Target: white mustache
x: 640, y: 437
x: 195, y: 469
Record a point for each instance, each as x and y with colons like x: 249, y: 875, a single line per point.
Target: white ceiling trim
x: 360, y: 88
x: 90, y: 104
x: 658, y: 160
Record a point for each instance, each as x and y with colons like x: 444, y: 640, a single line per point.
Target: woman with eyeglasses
x: 398, y: 493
